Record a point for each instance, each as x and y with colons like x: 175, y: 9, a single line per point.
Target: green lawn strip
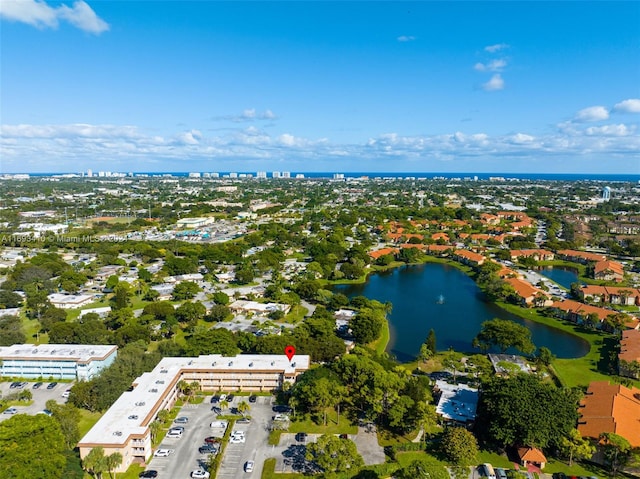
x: 380, y: 344
x: 576, y: 469
x: 576, y: 372
x: 305, y: 424
x: 87, y: 420
x: 495, y: 459
x: 132, y: 473
x: 296, y: 314
x: 387, y: 438
x: 406, y: 458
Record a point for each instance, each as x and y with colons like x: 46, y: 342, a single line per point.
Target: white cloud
x: 611, y: 130
x: 592, y: 113
x: 268, y: 115
x: 406, y: 38
x: 495, y: 83
x: 39, y: 14
x: 495, y: 48
x: 250, y: 114
x: 632, y: 105
x: 66, y: 146
x: 492, y: 66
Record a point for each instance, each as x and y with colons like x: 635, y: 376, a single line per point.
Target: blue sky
x: 547, y: 87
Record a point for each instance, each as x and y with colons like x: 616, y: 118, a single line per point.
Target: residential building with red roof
x: 629, y: 356
x: 580, y: 256
x: 381, y: 252
x: 529, y: 294
x: 608, y: 271
x: 469, y: 257
x: 610, y: 408
x: 610, y: 294
x: 537, y: 254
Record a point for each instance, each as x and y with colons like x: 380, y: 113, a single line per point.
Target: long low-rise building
x: 124, y: 428
x: 57, y: 361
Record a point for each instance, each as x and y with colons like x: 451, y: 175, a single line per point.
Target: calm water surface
x: 561, y: 275
x: 415, y: 292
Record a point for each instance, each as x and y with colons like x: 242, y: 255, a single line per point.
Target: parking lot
x: 186, y: 457
x: 40, y: 396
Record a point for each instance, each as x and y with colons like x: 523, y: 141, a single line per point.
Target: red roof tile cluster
x: 531, y: 454
x: 630, y: 346
x: 611, y: 408
x: 381, y: 252
x: 583, y: 255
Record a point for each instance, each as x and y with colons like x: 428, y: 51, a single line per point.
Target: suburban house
x: 70, y: 301
x: 242, y: 306
x: 610, y: 408
x: 608, y: 271
x: 457, y: 403
x: 629, y: 356
x: 533, y: 456
x: 610, y: 294
x: 529, y: 294
x: 536, y: 254
x: 469, y: 257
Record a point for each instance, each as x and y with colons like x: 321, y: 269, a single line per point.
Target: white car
x: 163, y: 452
x: 237, y: 439
x: 11, y: 410
x: 248, y: 466
x: 199, y: 474
x: 66, y: 393
x: 174, y: 435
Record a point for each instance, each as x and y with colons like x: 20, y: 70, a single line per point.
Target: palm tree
x: 243, y: 407
x: 155, y: 428
x: 95, y: 462
x: 112, y: 462
x: 193, y: 387
x: 224, y: 404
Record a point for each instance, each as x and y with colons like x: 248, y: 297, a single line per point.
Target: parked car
x: 301, y: 437
x: 207, y: 449
x: 52, y: 385
x: 181, y: 420
x: 281, y: 408
x: 248, y: 466
x: 215, y: 398
x: 150, y: 474
x: 17, y: 385
x: 66, y: 394
x: 199, y: 474
x: 211, y: 440
x: 230, y: 398
x: 37, y: 385
x: 163, y: 452
x: 11, y: 410
x: 244, y: 420
x: 46, y: 411
x: 179, y: 429
x: 500, y: 473
x: 253, y: 398
x: 216, y: 410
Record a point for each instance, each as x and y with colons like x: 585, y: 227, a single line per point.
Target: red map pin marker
x: 289, y: 351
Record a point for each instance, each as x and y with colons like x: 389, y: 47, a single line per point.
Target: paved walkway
x: 367, y: 443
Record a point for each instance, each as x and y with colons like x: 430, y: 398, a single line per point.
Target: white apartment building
x: 124, y: 428
x: 57, y: 361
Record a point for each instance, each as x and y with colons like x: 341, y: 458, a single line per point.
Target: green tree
x: 32, y: 446
x: 460, y: 446
x: 421, y: 469
x: 68, y: 418
x: 217, y: 313
x: 243, y: 407
x: 525, y: 410
x: 112, y: 461
x: 545, y: 356
x: 617, y: 451
x: 430, y: 342
x: 366, y: 326
x: 190, y: 312
x: 95, y: 463
x: 121, y: 295
x: 220, y: 297
x: 576, y: 447
x: 334, y: 454
x: 504, y: 334
x: 185, y: 290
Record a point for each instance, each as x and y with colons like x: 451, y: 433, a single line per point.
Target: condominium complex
x: 124, y: 428
x: 57, y: 361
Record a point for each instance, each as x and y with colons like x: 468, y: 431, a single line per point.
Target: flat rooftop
x: 134, y: 410
x: 458, y: 402
x: 57, y: 352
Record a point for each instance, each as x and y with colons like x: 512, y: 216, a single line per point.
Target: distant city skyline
x: 451, y: 87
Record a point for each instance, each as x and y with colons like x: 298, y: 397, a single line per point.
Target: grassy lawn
x: 132, y: 473
x: 386, y: 438
x: 87, y: 420
x: 578, y: 372
x: 296, y: 314
x: 305, y: 424
x: 406, y: 458
x: 495, y: 459
x: 380, y: 344
x: 575, y: 469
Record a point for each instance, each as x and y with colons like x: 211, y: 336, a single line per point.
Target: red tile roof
x: 531, y: 454
x: 611, y: 408
x: 630, y: 346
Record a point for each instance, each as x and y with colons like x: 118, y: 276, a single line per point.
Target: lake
x: 561, y: 275
x: 415, y: 292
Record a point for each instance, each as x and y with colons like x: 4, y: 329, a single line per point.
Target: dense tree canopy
x: 334, y: 454
x: 525, y: 410
x: 32, y: 446
x: 504, y: 334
